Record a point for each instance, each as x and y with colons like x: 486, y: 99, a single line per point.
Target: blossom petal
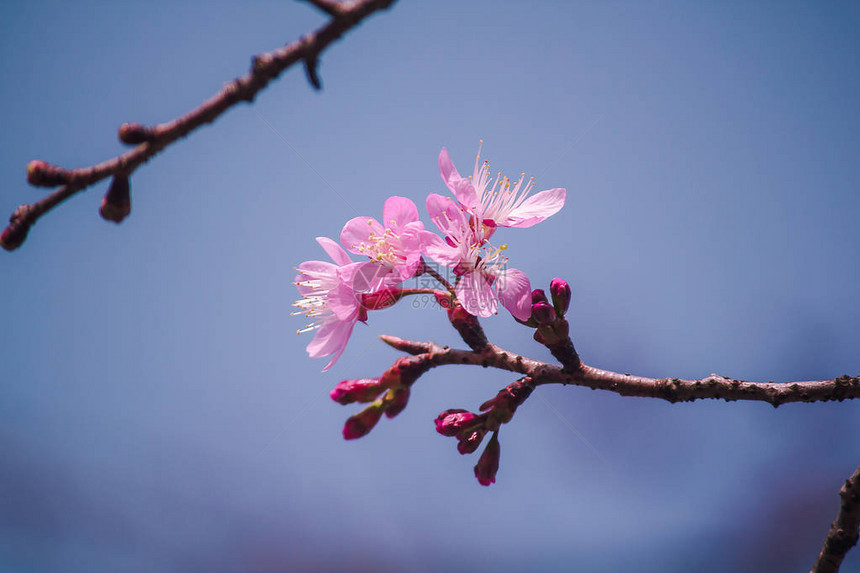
x: 476, y: 295
x: 322, y: 273
x: 329, y: 338
x: 445, y: 214
x: 398, y: 212
x: 340, y: 336
x: 335, y: 251
x: 357, y: 231
x: 439, y: 250
x: 515, y: 293
x: 460, y: 187
x: 343, y: 302
x: 365, y: 277
x: 536, y: 208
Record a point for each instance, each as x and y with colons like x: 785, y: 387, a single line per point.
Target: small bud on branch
x: 116, y: 204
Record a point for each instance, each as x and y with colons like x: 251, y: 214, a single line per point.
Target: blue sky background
x: 158, y: 412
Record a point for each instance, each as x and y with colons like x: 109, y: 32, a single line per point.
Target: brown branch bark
x: 670, y: 389
x: 152, y: 140
x: 843, y: 532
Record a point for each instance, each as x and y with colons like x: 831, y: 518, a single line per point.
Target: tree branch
x: 151, y: 140
x: 670, y: 389
x: 843, y: 532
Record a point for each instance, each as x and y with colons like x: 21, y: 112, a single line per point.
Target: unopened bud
x: 539, y: 296
x: 362, y: 390
x: 16, y: 232
x: 488, y: 465
x: 395, y: 401
x: 452, y: 422
x: 135, y: 133
x: 382, y: 298
x: 470, y: 440
x: 560, y: 291
x: 543, y: 312
x: 42, y: 174
x: 13, y: 236
x: 360, y: 424
x: 116, y: 204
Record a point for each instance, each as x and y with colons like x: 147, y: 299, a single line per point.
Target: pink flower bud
x: 543, y: 312
x: 560, y: 291
x: 488, y: 465
x: 538, y: 296
x: 396, y: 400
x: 381, y: 299
x: 452, y: 422
x: 360, y: 424
x: 116, y: 204
x: 362, y: 390
x: 469, y: 441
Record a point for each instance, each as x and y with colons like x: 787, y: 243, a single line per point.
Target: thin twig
x: 843, y: 532
x: 265, y: 68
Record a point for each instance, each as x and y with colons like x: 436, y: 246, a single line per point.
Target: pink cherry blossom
x: 393, y: 246
x: 329, y: 300
x: 483, y: 276
x: 499, y: 202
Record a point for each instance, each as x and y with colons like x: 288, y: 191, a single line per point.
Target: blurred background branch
x: 148, y: 141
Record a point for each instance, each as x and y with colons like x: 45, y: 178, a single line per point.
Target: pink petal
x: 345, y: 330
x: 364, y: 277
x: 461, y: 188
x: 343, y: 302
x: 398, y: 212
x: 335, y: 251
x: 445, y: 214
x: 440, y: 251
x: 357, y: 231
x: 536, y: 208
x: 316, y: 270
x: 515, y: 293
x: 476, y: 295
x: 329, y: 338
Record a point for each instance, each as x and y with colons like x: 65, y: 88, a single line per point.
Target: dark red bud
x: 452, y: 422
x: 14, y: 235
x: 42, y: 174
x: 470, y: 440
x: 560, y: 291
x: 360, y: 424
x: 488, y: 465
x: 538, y: 296
x: 362, y: 390
x: 116, y: 204
x: 543, y: 312
x: 135, y: 133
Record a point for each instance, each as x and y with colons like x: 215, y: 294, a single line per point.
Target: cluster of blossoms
x: 337, y: 294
